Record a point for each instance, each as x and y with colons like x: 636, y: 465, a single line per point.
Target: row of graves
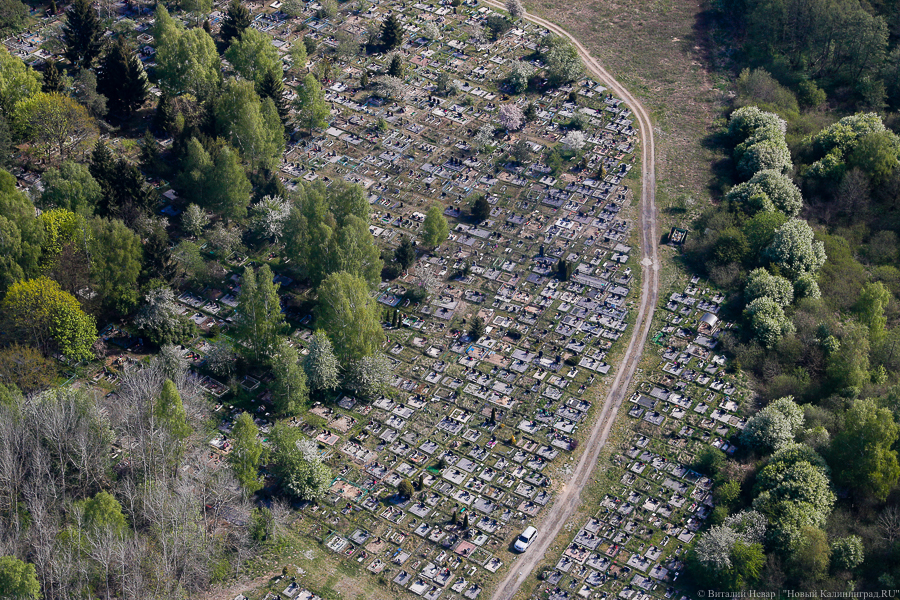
x: 634, y: 545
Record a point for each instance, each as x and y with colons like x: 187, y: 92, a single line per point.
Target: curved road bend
x: 570, y: 495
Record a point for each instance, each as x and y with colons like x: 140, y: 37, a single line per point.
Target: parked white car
x: 524, y: 540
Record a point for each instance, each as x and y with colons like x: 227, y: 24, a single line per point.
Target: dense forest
x: 804, y: 236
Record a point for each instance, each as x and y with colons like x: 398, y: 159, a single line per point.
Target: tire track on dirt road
x: 570, y: 495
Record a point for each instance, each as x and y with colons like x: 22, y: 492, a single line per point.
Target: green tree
x: 811, y: 558
x: 391, y: 32
x: 355, y: 251
x: 26, y: 368
x: 17, y: 82
x: 847, y: 553
x: 873, y: 299
x: 290, y: 392
x: 18, y: 579
x: 481, y: 209
x: 53, y: 79
x: 40, y: 312
x: 237, y: 20
x: 271, y: 86
x: 862, y: 453
x: 320, y: 364
x: 55, y: 123
x: 476, y: 328
x: 435, y: 229
x: 122, y: 79
x: 312, y: 109
x: 259, y: 316
x: 405, y: 254
x: 71, y: 187
x: 116, y: 261
x: 253, y: 56
x: 168, y: 410
x: 406, y: 489
x: 395, y: 69
x: 247, y: 452
x: 349, y: 315
x: 876, y: 154
x: 13, y: 14
x: 251, y: 125
x: 102, y: 511
x: 82, y: 34
x: 187, y: 63
x: 563, y: 63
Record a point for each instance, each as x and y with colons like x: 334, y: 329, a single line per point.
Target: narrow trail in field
x: 570, y: 496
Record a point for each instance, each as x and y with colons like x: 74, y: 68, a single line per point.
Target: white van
x: 524, y: 540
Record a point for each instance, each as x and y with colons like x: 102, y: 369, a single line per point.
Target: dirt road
x: 570, y: 496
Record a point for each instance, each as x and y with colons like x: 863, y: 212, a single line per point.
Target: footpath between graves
x: 570, y: 496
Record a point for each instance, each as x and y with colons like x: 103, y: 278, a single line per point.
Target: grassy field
x: 659, y: 49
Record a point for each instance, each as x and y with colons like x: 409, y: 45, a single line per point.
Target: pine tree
x: 237, y: 19
x: 163, y: 119
x: 122, y: 79
x: 150, y: 153
x: 82, y: 34
x: 272, y: 87
x: 465, y: 523
x: 396, y: 67
x: 52, y: 78
x: 391, y: 32
x: 103, y: 170
x: 364, y: 79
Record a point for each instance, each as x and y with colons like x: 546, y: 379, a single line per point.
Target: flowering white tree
x: 431, y: 30
x: 194, y: 219
x: 518, y: 75
x: 774, y: 426
x: 515, y: 9
x: 574, y: 140
x: 270, y: 215
x: 511, y: 117
x: 484, y: 137
x: 389, y: 87
x: 713, y: 550
x: 762, y: 284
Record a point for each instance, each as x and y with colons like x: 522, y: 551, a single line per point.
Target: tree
x: 102, y: 511
x: 250, y: 124
x: 765, y: 154
x: 518, y: 76
x: 564, y: 269
x: 484, y: 137
x: 229, y: 189
x: 481, y: 209
x: 194, y: 219
x: 290, y: 392
x: 122, y: 79
x: 253, y: 56
x: 862, y: 453
x: 515, y: 9
x: 574, y: 140
x: 17, y: 82
x: 320, y: 364
x: 405, y: 254
x: 12, y: 15
x: 774, y: 426
x: 303, y: 474
x: 269, y: 217
x: 26, y: 368
x: 431, y: 31
x: 810, y: 559
x: 389, y: 88
x: 355, y: 251
x: 18, y: 579
x: 767, y: 190
x: 82, y: 34
x: 476, y: 328
x: 187, y: 63
x: 391, y: 32
x: 85, y: 92
x: 370, y: 376
x: 271, y: 86
x: 246, y: 453
x: 168, y: 410
x: 349, y: 315
x: 435, y: 229
x: 55, y: 123
x: 395, y: 69
x: 312, y: 110
x: 71, y: 187
x: 298, y: 56
x: 511, y: 117
x: 53, y: 79
x: 563, y: 62
x: 870, y: 306
x: 259, y: 316
x: 497, y: 25
x: 795, y: 250
x: 762, y: 284
x: 406, y: 489
x: 160, y: 319
x: 237, y: 20
x: 38, y: 311
x: 116, y: 260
